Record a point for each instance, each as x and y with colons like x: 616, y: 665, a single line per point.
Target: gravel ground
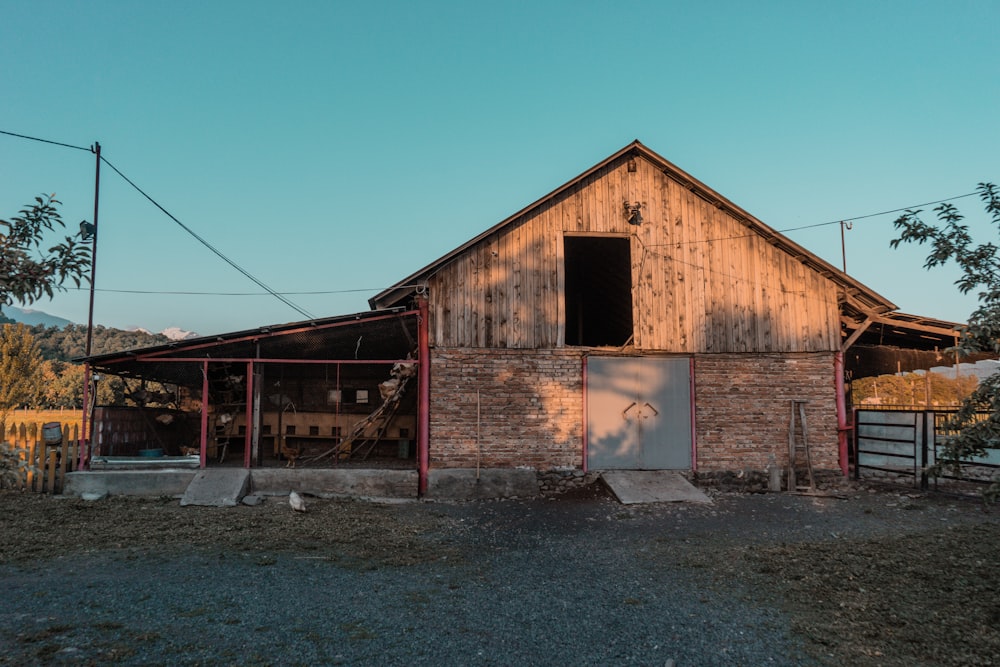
x: 876, y: 578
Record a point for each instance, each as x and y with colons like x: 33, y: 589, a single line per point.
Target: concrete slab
x: 217, y: 487
x: 128, y: 482
x: 463, y: 484
x: 143, y: 462
x: 370, y: 483
x: 652, y: 486
x: 224, y: 487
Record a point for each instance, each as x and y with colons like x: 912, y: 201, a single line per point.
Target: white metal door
x: 638, y: 413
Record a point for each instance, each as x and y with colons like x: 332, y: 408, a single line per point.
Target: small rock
x: 252, y: 499
x: 94, y: 495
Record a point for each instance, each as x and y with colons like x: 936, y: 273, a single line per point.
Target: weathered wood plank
x: 700, y: 282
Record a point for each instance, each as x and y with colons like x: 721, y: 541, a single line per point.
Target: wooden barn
x: 633, y: 318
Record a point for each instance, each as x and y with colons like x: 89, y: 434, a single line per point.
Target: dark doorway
x: 598, y: 290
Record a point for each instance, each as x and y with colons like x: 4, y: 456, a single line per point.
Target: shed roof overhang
x: 383, y: 336
x: 865, y: 298
x: 900, y: 330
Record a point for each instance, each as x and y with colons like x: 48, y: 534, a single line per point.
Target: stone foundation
x: 557, y: 482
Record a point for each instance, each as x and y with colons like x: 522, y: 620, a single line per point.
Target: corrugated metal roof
x: 371, y: 336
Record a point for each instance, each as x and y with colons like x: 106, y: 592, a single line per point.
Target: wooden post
x: 53, y: 457
x: 30, y: 477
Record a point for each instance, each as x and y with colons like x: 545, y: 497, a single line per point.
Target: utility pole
x: 843, y: 247
x: 87, y: 398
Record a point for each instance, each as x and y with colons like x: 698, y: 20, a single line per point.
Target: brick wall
x: 743, y: 409
x: 531, y: 407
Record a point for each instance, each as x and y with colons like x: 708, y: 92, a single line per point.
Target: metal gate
x: 905, y: 443
x: 638, y: 413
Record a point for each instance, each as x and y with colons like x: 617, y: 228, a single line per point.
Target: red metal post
x: 423, y: 395
x: 694, y: 430
x: 248, y: 435
x: 842, y: 425
x: 585, y: 417
x: 204, y: 415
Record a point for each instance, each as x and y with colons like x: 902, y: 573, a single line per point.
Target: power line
x: 193, y: 293
x: 45, y: 141
x: 281, y: 296
x: 208, y: 245
x: 875, y: 215
x: 190, y: 231
x: 818, y: 224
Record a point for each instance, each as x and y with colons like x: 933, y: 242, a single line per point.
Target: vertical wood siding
x: 702, y: 280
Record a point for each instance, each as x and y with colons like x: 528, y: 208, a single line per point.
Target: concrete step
x: 652, y: 486
x: 217, y: 487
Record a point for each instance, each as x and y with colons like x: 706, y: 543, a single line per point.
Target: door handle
x: 625, y: 411
x: 656, y: 413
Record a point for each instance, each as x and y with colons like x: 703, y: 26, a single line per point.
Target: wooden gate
x: 38, y: 466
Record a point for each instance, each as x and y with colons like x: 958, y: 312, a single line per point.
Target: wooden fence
x: 41, y: 466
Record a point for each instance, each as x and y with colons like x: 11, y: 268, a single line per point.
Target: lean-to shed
x: 634, y: 318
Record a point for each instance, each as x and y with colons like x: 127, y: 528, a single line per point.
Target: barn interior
x: 333, y: 391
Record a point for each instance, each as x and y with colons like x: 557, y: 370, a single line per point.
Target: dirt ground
x: 873, y: 577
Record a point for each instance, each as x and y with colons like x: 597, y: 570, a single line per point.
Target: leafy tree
x: 28, y: 271
x: 951, y: 240
x: 20, y: 366
x: 913, y: 390
x: 69, y: 342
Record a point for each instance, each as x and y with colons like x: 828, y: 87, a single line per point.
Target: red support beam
x: 586, y: 417
x: 694, y: 429
x: 842, y: 425
x: 204, y: 414
x: 423, y: 395
x: 248, y: 435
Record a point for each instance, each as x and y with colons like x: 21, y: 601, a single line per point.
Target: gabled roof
x: 864, y: 299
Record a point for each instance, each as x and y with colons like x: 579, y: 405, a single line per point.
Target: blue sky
x: 337, y: 147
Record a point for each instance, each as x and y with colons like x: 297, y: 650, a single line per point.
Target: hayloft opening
x: 598, y: 290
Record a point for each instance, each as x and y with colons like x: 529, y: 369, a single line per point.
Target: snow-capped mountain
x: 33, y: 317
x: 173, y: 333
x: 176, y: 333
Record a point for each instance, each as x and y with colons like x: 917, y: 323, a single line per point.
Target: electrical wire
x: 190, y: 231
x: 208, y: 245
x: 283, y: 299
x: 817, y: 224
x: 192, y: 293
x: 44, y: 141
x: 875, y: 215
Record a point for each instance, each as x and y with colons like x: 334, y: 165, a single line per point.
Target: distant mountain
x: 176, y: 333
x: 173, y: 333
x: 34, y: 317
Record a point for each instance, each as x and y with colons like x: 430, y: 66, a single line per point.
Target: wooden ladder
x: 799, y: 415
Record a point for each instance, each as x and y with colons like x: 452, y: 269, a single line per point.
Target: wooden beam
x: 857, y: 334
